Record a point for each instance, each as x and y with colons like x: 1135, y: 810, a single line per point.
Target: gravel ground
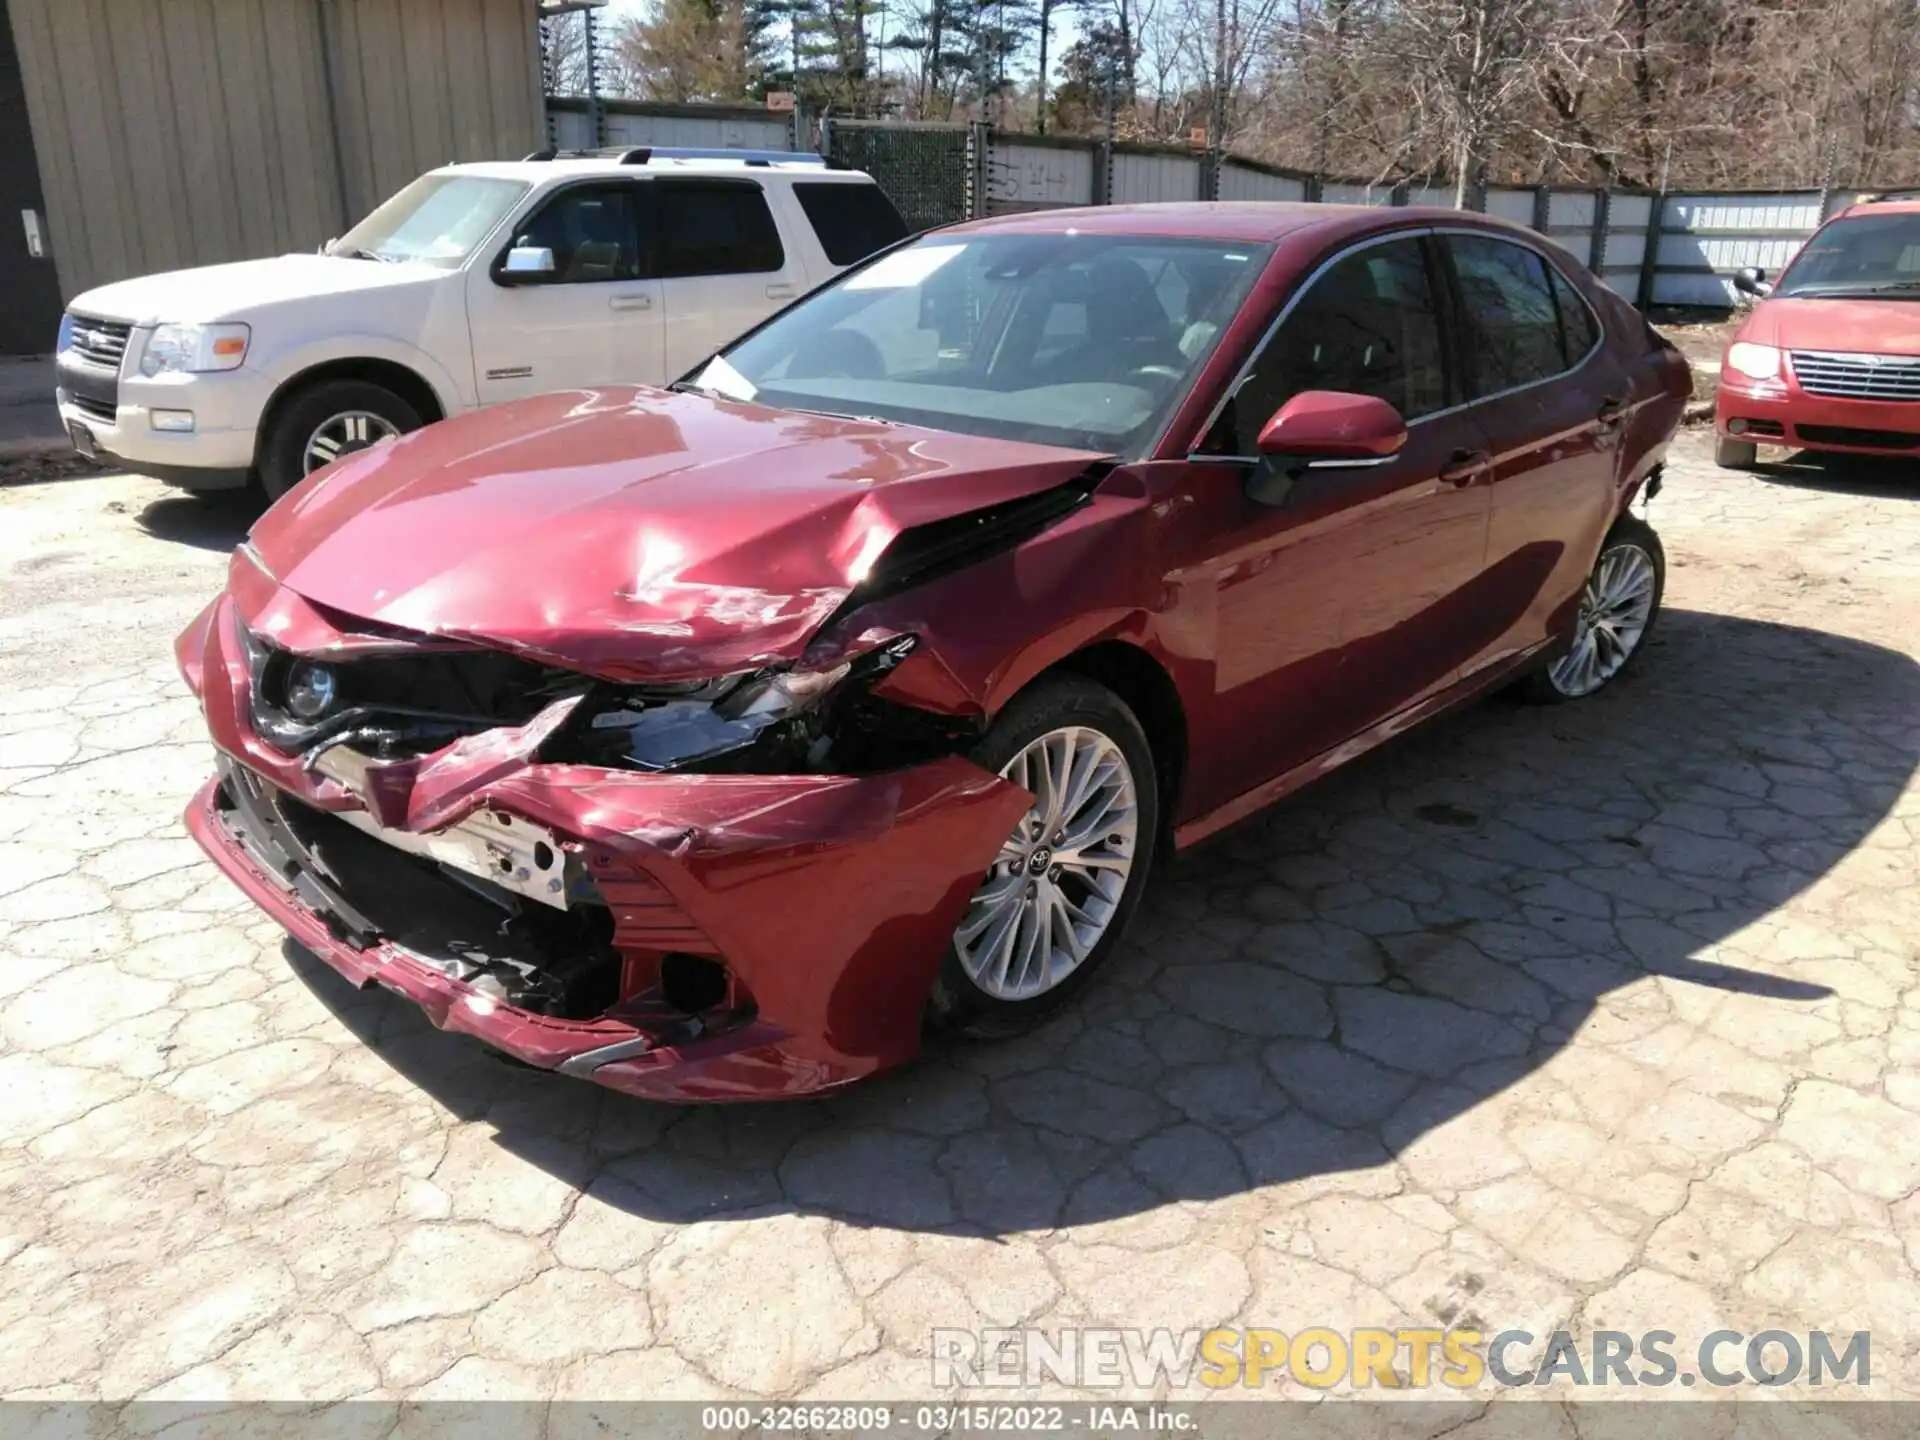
x: 1603, y: 1016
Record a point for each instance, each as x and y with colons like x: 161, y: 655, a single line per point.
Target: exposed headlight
x: 194, y: 349
x: 663, y: 728
x: 1756, y: 362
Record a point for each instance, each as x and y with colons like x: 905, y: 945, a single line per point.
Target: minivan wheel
x: 1618, y: 608
x: 1058, y: 897
x: 325, y: 421
x: 1734, y: 454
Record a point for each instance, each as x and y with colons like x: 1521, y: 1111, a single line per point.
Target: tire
x: 1630, y: 544
x: 1734, y: 454
x: 284, y: 456
x: 1095, y: 718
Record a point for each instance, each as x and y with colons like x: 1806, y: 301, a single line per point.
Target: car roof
x: 1881, y: 207
x: 756, y: 163
x: 1245, y: 220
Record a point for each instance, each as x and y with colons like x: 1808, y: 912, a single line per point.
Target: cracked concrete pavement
x: 1601, y: 1016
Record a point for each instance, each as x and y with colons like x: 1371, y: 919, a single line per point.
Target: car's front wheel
x: 1618, y: 608
x: 325, y: 421
x: 1058, y: 896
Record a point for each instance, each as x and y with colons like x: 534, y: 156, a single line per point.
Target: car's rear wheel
x: 325, y: 421
x: 1618, y: 608
x: 1731, y: 454
x: 1060, y: 893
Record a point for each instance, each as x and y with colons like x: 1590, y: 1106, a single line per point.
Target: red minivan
x: 707, y: 742
x: 1830, y: 357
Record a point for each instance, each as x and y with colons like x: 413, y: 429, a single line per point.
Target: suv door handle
x: 780, y: 292
x: 1464, y: 467
x: 631, y: 302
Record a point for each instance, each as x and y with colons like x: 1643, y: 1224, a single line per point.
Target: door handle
x: 1464, y: 467
x: 630, y: 302
x: 779, y: 292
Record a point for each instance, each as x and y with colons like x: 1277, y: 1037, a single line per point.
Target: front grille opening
x: 553, y: 962
x: 102, y: 410
x: 692, y: 983
x: 100, y: 342
x: 1851, y: 435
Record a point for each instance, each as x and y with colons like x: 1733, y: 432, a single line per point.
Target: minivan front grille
x: 100, y: 342
x: 1858, y: 377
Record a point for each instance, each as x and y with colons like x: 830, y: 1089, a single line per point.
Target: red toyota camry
x: 710, y: 743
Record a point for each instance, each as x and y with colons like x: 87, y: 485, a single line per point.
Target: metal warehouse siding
x: 200, y: 131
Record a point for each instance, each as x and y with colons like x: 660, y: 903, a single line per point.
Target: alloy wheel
x: 343, y: 434
x: 1614, y: 613
x: 1057, y: 883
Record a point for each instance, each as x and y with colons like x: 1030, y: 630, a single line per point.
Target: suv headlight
x: 66, y: 335
x: 194, y: 349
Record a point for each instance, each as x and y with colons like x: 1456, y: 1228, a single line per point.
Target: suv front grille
x: 100, y: 342
x: 1858, y: 377
x: 99, y: 410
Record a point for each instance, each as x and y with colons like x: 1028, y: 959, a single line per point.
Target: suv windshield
x: 437, y: 220
x: 1081, y: 340
x: 1864, y: 255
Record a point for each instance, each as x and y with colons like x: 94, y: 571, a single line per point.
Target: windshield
x: 1082, y: 340
x: 438, y: 220
x: 1867, y: 255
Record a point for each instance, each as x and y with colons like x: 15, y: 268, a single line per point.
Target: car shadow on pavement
x: 1358, y: 976
x: 215, y: 520
x: 1864, y: 475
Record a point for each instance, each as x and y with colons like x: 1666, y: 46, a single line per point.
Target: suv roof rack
x: 643, y: 154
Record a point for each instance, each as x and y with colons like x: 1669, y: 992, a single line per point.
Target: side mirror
x: 1334, y: 428
x: 527, y: 263
x: 1752, y: 280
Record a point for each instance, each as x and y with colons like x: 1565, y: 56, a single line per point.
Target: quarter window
x: 1511, y: 316
x: 713, y: 228
x: 1368, y: 326
x: 851, y: 220
x: 1577, y: 327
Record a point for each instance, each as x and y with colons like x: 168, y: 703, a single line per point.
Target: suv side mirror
x: 527, y: 263
x: 1752, y: 280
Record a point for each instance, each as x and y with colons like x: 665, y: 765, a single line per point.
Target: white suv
x: 475, y: 284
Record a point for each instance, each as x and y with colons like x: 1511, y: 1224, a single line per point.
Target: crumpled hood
x: 633, y: 534
x: 238, y: 290
x: 1885, y: 327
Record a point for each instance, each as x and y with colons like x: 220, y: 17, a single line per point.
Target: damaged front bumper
x: 702, y: 936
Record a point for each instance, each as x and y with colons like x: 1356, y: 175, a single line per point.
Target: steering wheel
x: 1157, y: 372
x: 841, y: 354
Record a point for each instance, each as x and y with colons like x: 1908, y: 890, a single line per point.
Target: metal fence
x: 1655, y: 249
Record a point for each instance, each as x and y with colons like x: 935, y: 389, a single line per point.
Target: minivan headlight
x: 1756, y: 362
x: 194, y: 349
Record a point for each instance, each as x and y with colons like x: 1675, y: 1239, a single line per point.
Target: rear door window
x: 1578, y: 329
x: 851, y: 220
x: 1508, y: 310
x: 709, y: 227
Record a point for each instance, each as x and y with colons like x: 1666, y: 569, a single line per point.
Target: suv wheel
x: 1059, y: 896
x: 325, y: 421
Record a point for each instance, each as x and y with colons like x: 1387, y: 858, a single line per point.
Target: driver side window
x: 1368, y: 325
x: 593, y: 232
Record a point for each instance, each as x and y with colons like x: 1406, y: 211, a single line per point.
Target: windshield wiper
x: 355, y: 252
x: 1846, y: 292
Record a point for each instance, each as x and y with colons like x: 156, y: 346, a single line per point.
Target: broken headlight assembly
x: 762, y: 722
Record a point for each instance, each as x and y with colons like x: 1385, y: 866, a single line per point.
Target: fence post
x: 1650, y: 251
x: 1312, y: 188
x: 1542, y: 208
x: 1102, y: 153
x: 1602, y: 206
x: 979, y: 159
x: 1399, y: 196
x: 1210, y: 163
